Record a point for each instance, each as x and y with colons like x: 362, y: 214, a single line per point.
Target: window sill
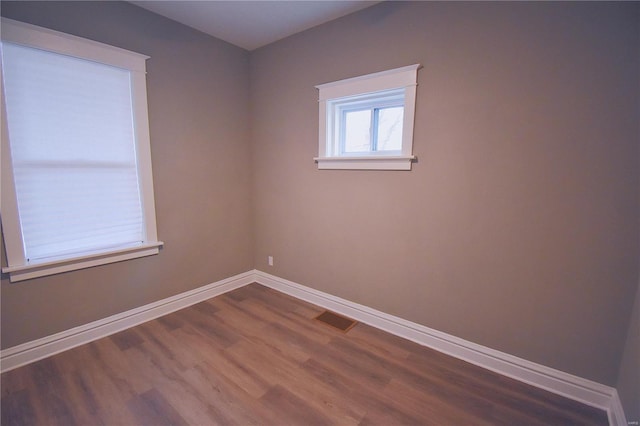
x: 365, y: 163
x: 34, y: 270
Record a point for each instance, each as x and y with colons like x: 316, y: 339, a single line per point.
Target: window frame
x: 19, y: 268
x: 375, y: 91
x: 374, y: 105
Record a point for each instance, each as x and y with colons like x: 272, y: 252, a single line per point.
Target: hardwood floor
x: 255, y: 356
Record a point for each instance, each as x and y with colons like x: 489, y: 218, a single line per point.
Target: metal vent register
x: 336, y: 321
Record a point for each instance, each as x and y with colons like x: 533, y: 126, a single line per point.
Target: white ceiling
x: 253, y: 24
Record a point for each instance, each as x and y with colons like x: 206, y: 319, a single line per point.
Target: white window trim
x: 29, y: 35
x: 404, y: 77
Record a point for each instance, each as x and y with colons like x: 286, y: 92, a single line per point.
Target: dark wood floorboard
x: 257, y: 357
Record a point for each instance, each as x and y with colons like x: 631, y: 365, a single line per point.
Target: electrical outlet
x: 270, y: 260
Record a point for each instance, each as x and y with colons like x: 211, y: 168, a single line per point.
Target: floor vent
x: 334, y: 320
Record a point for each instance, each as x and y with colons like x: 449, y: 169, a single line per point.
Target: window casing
x: 77, y: 186
x: 367, y: 122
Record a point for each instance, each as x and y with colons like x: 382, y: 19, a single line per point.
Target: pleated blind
x: 72, y: 147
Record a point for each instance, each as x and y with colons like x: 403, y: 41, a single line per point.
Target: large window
x: 367, y: 122
x: 76, y: 168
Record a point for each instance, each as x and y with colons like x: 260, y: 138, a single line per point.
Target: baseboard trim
x: 565, y: 384
x: 559, y: 382
x: 616, y: 411
x: 35, y: 350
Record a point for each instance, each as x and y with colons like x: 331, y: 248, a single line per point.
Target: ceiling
x: 253, y: 24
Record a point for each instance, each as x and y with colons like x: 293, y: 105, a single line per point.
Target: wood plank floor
x: 255, y: 356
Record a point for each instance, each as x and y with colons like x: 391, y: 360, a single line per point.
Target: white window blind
x: 77, y: 184
x: 72, y: 148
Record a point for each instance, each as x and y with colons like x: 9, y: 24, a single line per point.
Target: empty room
x: 320, y: 212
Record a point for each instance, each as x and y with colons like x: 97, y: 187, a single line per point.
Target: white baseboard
x: 558, y: 382
x: 616, y: 411
x: 35, y: 350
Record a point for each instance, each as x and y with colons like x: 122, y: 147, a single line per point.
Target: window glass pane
x: 357, y: 131
x: 73, y: 152
x: 390, y: 129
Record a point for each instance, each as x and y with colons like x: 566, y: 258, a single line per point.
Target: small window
x: 367, y: 122
x: 76, y: 175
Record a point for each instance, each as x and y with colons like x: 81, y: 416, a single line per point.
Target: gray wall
x: 198, y: 112
x: 517, y: 228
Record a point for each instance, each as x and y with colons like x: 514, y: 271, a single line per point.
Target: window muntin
x: 367, y: 122
x: 77, y: 188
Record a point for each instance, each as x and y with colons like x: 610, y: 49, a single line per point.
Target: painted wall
x: 517, y: 228
x: 198, y: 112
